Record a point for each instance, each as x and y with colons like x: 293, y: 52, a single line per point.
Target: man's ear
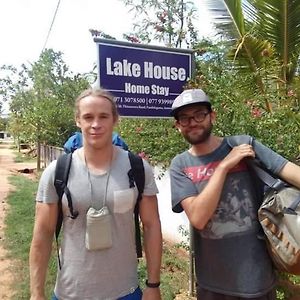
x: 77, y: 122
x: 116, y: 120
x: 176, y: 124
x: 213, y: 117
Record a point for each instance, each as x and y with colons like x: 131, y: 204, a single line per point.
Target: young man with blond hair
x: 98, y: 255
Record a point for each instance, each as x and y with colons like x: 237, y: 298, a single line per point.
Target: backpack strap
x: 137, y: 175
x: 270, y: 180
x: 62, y: 170
x: 262, y: 173
x: 236, y: 140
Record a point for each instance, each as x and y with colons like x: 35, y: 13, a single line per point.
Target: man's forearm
x: 40, y: 252
x: 200, y: 209
x: 153, y: 250
x: 291, y: 173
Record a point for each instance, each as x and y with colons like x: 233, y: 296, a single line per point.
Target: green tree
x: 42, y: 105
x: 258, y: 58
x: 12, y: 81
x: 154, y: 139
x: 3, y: 124
x: 55, y: 89
x: 266, y: 36
x: 169, y: 21
x: 241, y: 111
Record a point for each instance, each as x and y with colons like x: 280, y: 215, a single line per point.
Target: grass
x: 18, y: 232
x: 23, y: 157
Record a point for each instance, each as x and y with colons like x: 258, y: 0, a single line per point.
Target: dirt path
x: 7, y: 167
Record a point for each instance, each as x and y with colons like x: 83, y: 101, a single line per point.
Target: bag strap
x: 274, y: 184
x: 263, y: 173
x: 236, y: 140
x: 137, y: 175
x: 62, y: 170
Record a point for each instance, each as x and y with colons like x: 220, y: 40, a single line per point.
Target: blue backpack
x: 75, y: 141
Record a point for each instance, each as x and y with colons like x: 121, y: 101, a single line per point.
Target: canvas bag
x: 279, y: 215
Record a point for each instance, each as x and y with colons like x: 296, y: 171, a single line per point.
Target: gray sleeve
x: 46, y: 191
x: 150, y: 184
x: 273, y: 161
x: 181, y: 185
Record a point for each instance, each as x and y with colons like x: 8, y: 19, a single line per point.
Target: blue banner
x: 145, y: 79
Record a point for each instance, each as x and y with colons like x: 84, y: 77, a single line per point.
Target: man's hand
x: 151, y: 294
x: 40, y: 297
x: 236, y: 155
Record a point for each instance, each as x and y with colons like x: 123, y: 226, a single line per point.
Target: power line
x: 49, y: 31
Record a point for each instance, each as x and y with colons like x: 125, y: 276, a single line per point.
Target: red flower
x: 256, y: 113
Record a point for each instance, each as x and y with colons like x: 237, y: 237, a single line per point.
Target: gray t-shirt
x: 230, y: 254
x: 101, y: 274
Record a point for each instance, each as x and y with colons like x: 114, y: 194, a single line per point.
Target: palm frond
x: 280, y: 21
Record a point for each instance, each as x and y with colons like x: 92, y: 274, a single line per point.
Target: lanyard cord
x: 106, y: 184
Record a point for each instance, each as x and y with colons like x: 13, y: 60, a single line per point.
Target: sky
x: 24, y: 26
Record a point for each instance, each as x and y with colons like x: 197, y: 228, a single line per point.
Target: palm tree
x: 266, y: 39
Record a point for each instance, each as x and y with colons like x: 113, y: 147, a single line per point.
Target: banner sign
x: 145, y: 79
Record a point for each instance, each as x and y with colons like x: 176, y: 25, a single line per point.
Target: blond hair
x: 97, y: 92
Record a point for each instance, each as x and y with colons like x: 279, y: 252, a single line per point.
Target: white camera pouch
x: 98, y: 234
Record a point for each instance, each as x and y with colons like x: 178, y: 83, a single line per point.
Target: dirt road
x: 7, y: 168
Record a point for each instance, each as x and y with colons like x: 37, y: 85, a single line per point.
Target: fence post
x: 191, y: 264
x: 49, y: 153
x: 38, y: 156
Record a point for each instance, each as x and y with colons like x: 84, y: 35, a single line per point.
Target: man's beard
x: 200, y: 138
